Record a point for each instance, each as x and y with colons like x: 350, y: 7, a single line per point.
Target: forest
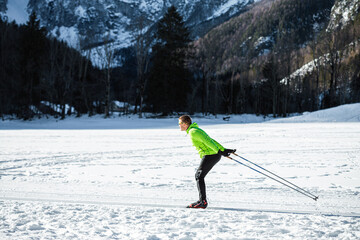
x: 246, y: 65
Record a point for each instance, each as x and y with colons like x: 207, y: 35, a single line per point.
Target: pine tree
x: 33, y: 45
x: 168, y: 82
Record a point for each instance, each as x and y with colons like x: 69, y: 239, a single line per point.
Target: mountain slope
x: 242, y: 61
x: 269, y: 24
x: 90, y: 21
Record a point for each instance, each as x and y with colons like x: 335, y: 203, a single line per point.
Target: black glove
x: 227, y: 152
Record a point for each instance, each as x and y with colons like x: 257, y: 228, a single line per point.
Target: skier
x: 210, y: 153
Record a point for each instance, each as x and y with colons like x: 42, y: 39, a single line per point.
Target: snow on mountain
x: 228, y: 5
x: 17, y: 11
x: 342, y: 13
x: 309, y: 67
x: 67, y: 34
x: 86, y: 24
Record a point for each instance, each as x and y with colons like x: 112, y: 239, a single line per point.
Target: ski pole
x: 312, y: 195
x: 304, y: 193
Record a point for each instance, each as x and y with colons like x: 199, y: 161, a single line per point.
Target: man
x: 210, y: 153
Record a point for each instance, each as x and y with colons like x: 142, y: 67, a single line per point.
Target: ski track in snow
x: 87, y: 221
x: 135, y: 183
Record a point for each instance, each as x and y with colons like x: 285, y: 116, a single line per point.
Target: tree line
x: 39, y: 74
x: 168, y: 73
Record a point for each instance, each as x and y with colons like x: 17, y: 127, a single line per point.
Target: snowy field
x: 129, y: 178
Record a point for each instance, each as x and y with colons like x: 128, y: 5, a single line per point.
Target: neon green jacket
x: 204, y: 144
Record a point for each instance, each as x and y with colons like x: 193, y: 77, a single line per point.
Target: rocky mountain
x: 83, y: 23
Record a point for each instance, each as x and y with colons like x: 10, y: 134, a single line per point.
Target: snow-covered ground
x: 129, y: 178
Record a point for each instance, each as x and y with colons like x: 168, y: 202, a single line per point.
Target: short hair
x: 186, y: 119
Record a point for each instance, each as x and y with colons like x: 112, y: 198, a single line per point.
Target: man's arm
x: 201, y: 137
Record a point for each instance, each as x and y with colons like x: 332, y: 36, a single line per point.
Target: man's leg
x: 207, y: 163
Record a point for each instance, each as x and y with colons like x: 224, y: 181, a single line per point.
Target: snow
x: 227, y: 6
x: 81, y: 12
x: 305, y: 69
x: 69, y: 35
x: 342, y: 13
x: 309, y: 67
x: 345, y: 113
x: 130, y: 178
x: 57, y: 107
x: 17, y: 11
x: 261, y: 40
x: 151, y: 6
x: 224, y: 8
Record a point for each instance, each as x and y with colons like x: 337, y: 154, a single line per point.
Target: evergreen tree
x: 167, y: 87
x: 33, y: 46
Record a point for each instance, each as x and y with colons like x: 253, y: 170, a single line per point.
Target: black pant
x: 207, y: 163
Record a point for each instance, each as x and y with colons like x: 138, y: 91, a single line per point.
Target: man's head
x: 184, y: 122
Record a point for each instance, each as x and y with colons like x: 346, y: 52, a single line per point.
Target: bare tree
x: 82, y: 77
x: 82, y: 73
x: 52, y: 71
x: 270, y: 72
x: 334, y: 58
x: 207, y: 62
x: 317, y: 64
x: 106, y: 57
x: 64, y: 83
x: 142, y: 45
x: 87, y: 47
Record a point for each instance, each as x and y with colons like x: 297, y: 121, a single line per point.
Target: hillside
x: 254, y: 59
x: 268, y: 26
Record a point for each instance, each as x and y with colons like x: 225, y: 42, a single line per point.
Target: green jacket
x: 204, y: 144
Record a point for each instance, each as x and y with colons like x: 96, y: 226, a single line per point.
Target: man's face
x: 183, y: 126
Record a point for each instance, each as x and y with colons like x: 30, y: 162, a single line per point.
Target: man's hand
x: 227, y: 152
